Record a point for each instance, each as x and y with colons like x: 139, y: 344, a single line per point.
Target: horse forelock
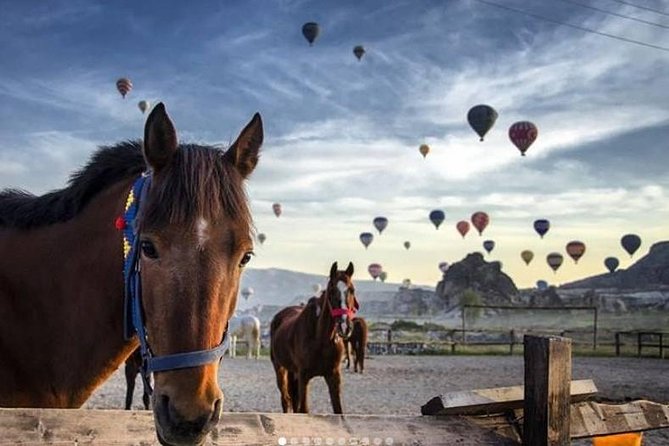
x: 199, y: 184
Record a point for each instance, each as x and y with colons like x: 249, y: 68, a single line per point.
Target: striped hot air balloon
x: 124, y: 85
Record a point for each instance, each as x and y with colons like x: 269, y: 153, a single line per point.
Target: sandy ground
x: 401, y: 384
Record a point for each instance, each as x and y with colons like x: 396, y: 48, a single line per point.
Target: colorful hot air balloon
x: 443, y: 267
x: 247, y: 292
x: 143, y: 105
x: 489, y: 245
x: 542, y: 226
x: 383, y: 276
x: 310, y: 31
x: 424, y: 149
x: 542, y: 284
x: 611, y: 263
x: 481, y: 118
x: 437, y: 217
x: 554, y: 260
x: 463, y: 227
x: 276, y: 207
x: 359, y: 51
x: 630, y: 242
x: 407, y: 245
x: 522, y: 135
x: 575, y: 249
x: 261, y: 238
x: 380, y: 223
x: 375, y: 270
x: 480, y: 220
x: 527, y: 256
x: 366, y: 238
x: 124, y: 85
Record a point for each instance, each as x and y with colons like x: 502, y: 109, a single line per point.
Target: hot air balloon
x: 123, y: 85
x: 311, y: 30
x: 317, y: 288
x: 407, y: 245
x: 542, y: 284
x: 554, y: 260
x: 359, y: 51
x: 261, y: 238
x: 380, y: 223
x: 522, y: 135
x: 527, y: 256
x: 276, y: 207
x: 630, y: 243
x: 489, y: 245
x: 542, y: 226
x: 366, y: 238
x: 481, y: 118
x: 575, y: 249
x: 247, y: 292
x: 143, y: 105
x: 424, y: 149
x: 375, y: 270
x: 406, y: 283
x: 463, y: 227
x: 383, y: 276
x: 480, y: 220
x: 443, y: 267
x: 611, y: 263
x: 437, y: 217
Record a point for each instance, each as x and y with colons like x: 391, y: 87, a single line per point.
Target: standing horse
x: 179, y: 216
x: 358, y: 343
x: 306, y: 341
x: 248, y: 328
x: 133, y: 366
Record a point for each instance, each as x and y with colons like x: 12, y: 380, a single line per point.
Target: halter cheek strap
x: 133, y: 319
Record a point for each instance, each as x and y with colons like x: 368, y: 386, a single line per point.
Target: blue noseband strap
x: 133, y: 310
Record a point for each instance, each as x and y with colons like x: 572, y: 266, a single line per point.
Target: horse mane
x: 196, y: 185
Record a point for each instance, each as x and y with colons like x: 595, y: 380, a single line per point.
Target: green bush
x: 471, y: 297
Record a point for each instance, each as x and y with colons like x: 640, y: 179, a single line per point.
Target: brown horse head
x: 195, y: 230
x: 341, y: 300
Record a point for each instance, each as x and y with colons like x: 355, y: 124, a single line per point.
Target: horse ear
x: 333, y: 271
x: 349, y: 270
x: 160, y: 139
x: 243, y: 153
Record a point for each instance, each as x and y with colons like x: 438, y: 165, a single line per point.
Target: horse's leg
x: 302, y: 387
x: 130, y: 375
x: 361, y: 356
x: 293, y: 390
x: 146, y: 399
x: 348, y: 358
x: 257, y: 345
x: 334, y: 387
x: 233, y: 346
x: 249, y: 347
x: 283, y: 385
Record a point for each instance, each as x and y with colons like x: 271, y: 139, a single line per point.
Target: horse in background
x: 176, y: 212
x: 132, y: 367
x: 307, y: 341
x: 247, y: 328
x: 358, y: 343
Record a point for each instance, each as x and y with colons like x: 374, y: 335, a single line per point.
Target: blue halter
x: 133, y: 321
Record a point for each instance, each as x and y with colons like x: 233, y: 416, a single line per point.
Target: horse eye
x: 148, y: 249
x: 246, y: 259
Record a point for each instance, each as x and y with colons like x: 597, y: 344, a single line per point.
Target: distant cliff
x: 649, y: 273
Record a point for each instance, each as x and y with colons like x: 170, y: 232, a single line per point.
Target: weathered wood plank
x: 495, y: 400
x: 590, y: 419
x: 116, y: 427
x: 547, y: 379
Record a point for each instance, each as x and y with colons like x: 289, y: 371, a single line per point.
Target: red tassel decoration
x: 119, y: 223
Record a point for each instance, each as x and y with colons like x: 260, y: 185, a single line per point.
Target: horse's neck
x: 325, y: 323
x: 61, y: 300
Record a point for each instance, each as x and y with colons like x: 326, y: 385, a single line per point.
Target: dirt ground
x: 401, y: 384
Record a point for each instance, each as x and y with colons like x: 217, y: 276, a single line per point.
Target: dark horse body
x: 307, y: 341
x: 61, y: 274
x: 357, y: 342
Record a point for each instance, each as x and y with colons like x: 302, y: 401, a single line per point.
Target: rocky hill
x: 651, y: 272
x: 473, y: 272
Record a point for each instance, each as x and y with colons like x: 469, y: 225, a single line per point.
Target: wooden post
x: 638, y: 342
x: 512, y: 335
x: 594, y: 331
x: 661, y: 347
x: 547, y: 388
x: 462, y: 314
x: 617, y: 343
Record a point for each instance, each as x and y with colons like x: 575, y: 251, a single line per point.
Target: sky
x: 342, y: 135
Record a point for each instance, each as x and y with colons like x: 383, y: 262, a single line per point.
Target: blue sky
x: 342, y: 136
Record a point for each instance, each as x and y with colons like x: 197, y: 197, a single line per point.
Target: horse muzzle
x: 174, y: 429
